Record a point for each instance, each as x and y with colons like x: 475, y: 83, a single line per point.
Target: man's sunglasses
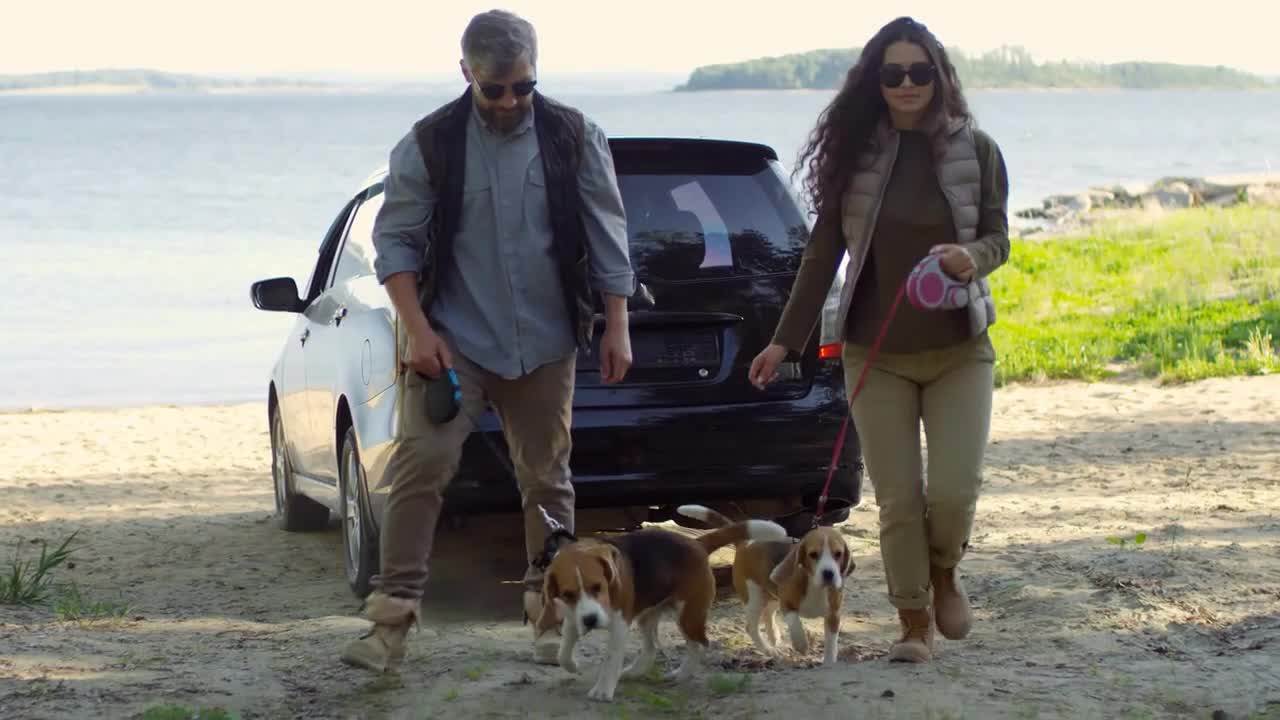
x: 892, y: 75
x: 494, y: 91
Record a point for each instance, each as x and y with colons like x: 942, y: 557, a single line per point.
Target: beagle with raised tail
x: 804, y: 579
x: 609, y: 583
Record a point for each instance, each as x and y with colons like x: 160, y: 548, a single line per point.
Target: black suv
x: 716, y: 237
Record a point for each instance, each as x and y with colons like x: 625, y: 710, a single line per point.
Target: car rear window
x: 694, y: 218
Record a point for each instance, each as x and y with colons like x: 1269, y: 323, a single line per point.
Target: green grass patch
x: 722, y: 684
x: 28, y: 581
x: 654, y: 701
x: 1193, y: 296
x: 179, y: 712
x: 74, y: 606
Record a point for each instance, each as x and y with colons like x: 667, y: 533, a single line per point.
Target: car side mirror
x: 277, y: 294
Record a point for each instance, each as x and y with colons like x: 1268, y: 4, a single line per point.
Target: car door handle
x: 306, y: 334
x: 337, y: 316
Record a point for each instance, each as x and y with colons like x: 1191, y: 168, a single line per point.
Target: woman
x: 897, y: 171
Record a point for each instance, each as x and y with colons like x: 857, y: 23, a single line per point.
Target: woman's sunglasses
x: 493, y: 91
x: 892, y: 75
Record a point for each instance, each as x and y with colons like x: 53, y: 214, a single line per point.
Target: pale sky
x: 420, y: 37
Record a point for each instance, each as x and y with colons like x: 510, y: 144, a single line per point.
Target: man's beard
x: 505, y: 121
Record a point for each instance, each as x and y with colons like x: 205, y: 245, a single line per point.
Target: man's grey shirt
x: 500, y: 297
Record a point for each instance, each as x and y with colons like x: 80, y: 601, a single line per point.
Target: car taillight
x: 828, y: 346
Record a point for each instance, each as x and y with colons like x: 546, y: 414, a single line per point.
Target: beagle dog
x: 805, y: 579
x: 609, y: 583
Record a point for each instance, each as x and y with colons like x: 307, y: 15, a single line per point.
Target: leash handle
x: 844, y: 428
x: 457, y: 386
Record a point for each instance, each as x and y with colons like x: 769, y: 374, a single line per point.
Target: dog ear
x: 847, y: 564
x: 550, y: 588
x: 609, y: 558
x: 552, y: 605
x: 784, y: 571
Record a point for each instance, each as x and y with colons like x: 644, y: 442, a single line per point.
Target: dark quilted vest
x: 442, y: 139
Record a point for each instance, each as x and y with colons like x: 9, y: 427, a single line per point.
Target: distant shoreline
x: 824, y: 74
x: 999, y: 89
x: 1008, y: 66
x: 124, y: 82
x: 1007, y: 88
x: 109, y: 90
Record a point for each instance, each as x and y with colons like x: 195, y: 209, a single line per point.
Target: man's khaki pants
x: 925, y: 517
x: 535, y: 411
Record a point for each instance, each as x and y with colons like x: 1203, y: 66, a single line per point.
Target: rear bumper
x: 662, y: 456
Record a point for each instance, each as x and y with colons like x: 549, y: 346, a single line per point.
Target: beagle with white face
x: 607, y: 584
x: 805, y: 579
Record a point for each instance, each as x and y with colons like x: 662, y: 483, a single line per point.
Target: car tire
x: 294, y: 512
x: 359, y: 542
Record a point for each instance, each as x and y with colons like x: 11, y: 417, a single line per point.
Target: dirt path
x: 172, y: 506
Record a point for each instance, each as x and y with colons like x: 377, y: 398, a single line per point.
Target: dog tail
x: 740, y: 532
x: 705, y: 514
x: 729, y: 532
x: 710, y: 517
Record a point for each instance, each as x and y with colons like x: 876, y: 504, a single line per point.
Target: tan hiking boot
x: 546, y: 647
x: 951, y: 604
x: 382, y: 648
x: 916, y: 643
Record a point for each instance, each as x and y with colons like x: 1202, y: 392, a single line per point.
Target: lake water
x: 131, y: 227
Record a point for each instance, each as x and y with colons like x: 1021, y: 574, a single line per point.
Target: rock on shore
x: 1073, y: 210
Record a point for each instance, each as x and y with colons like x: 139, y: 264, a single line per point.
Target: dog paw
x: 601, y: 694
x: 570, y: 665
x: 770, y: 650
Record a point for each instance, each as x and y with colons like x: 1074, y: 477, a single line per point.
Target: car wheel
x: 294, y: 512
x: 359, y: 543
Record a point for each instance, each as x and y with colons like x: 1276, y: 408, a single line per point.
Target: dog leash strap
x: 862, y: 377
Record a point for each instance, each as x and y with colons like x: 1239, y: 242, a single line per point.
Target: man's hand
x: 955, y: 261
x: 615, y: 346
x: 615, y: 354
x: 427, y: 353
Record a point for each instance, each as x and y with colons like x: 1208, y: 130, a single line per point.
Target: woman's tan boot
x: 916, y: 643
x: 382, y: 648
x: 951, y: 604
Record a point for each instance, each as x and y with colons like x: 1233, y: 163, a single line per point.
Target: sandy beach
x: 223, y: 609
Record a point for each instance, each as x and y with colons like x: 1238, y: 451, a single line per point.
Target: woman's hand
x: 764, y: 368
x: 955, y: 261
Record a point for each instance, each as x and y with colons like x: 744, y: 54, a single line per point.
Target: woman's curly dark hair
x: 846, y: 125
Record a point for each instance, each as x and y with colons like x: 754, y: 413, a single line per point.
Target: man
x: 501, y: 215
